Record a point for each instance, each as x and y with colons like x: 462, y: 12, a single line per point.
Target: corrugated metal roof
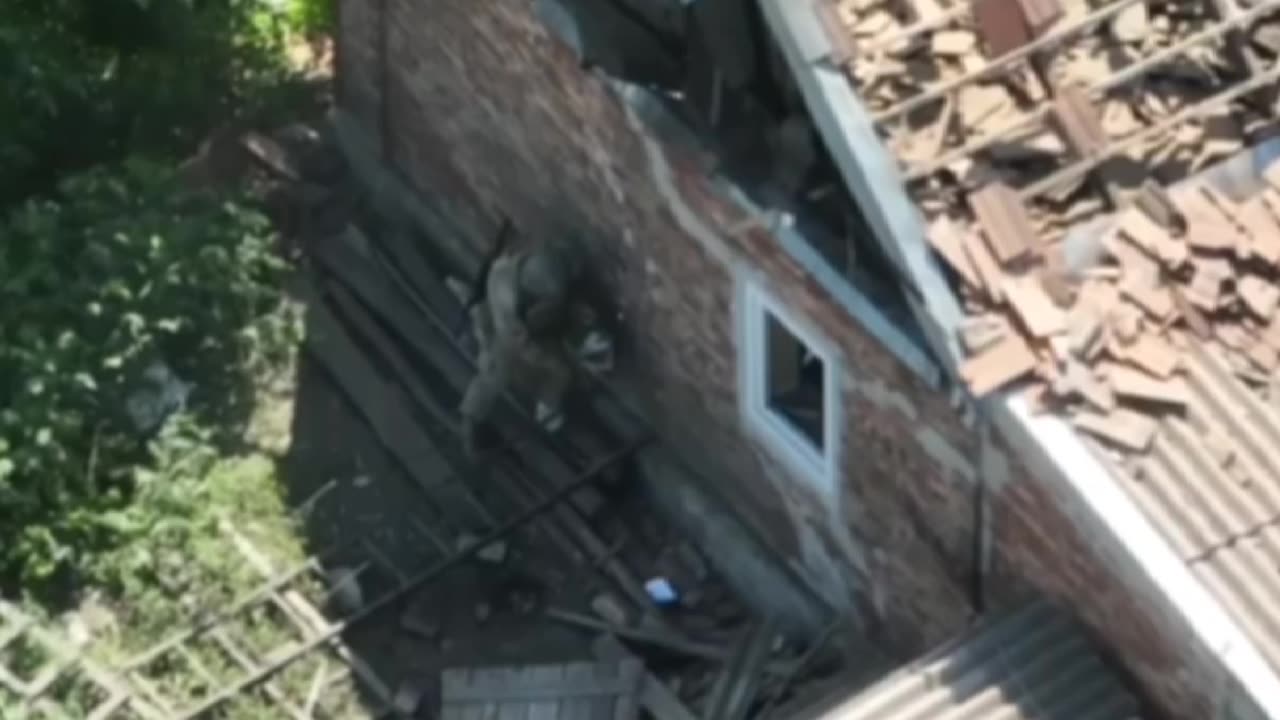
x: 1032, y: 663
x: 1210, y: 484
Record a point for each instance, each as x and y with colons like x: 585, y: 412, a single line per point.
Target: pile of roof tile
x: 1104, y: 344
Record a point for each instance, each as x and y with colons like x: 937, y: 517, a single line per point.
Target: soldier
x: 521, y: 325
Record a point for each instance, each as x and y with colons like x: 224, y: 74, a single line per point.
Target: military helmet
x: 547, y: 272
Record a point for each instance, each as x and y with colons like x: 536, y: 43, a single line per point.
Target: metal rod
x: 1082, y: 167
x: 264, y: 672
x: 1002, y: 63
x: 1128, y: 74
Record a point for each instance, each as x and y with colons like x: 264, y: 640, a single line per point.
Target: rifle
x: 480, y: 282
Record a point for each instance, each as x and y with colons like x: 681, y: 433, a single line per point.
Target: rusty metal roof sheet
x: 1032, y: 663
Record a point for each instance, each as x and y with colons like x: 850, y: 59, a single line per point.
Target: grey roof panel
x: 1031, y: 664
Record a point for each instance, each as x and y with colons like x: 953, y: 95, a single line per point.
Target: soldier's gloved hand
x: 596, y: 352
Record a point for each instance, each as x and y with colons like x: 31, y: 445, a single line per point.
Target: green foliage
x: 314, y: 17
x: 180, y: 560
x: 89, y: 81
x: 117, y: 271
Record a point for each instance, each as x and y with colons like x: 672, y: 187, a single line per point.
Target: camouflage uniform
x: 518, y: 327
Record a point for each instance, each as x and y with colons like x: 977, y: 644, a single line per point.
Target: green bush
x: 91, y: 81
x: 116, y: 271
x: 314, y: 17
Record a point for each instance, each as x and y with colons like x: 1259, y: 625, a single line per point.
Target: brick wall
x: 488, y: 113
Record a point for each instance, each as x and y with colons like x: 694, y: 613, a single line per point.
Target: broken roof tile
x: 1033, y: 306
x: 945, y: 237
x: 1078, y: 121
x: 998, y: 365
x: 1133, y: 383
x: 1126, y: 428
x: 1004, y: 221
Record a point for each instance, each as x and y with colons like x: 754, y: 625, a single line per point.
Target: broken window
x: 794, y: 381
x: 788, y: 388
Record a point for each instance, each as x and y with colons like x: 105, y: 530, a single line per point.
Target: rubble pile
x: 1104, y: 345
x: 963, y: 94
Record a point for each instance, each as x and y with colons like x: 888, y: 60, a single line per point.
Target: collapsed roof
x: 1094, y: 176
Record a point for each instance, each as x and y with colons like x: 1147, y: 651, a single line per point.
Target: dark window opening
x: 735, y: 92
x: 795, y: 382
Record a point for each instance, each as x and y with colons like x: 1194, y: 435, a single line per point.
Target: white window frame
x: 791, y: 446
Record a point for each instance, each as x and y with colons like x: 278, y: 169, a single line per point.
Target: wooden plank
x: 1078, y: 121
x: 1004, y: 221
x: 1151, y: 353
x: 655, y: 696
x: 548, y: 708
x: 1033, y: 307
x: 538, y: 683
x: 1095, y: 391
x: 1133, y: 383
x: 1259, y: 295
x: 946, y: 239
x: 986, y: 267
x: 981, y: 332
x: 1262, y: 229
x: 1006, y: 361
x: 1126, y: 428
x: 1155, y: 300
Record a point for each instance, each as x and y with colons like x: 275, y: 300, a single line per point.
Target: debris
x: 345, y: 588
x: 157, y: 395
x: 494, y: 553
x: 482, y: 612
x: 661, y: 701
x: 997, y: 366
x: 1130, y: 25
x: 408, y: 698
x: 1132, y: 383
x: 413, y: 620
x: 662, y: 591
x: 1126, y: 428
x: 1004, y: 221
x: 739, y: 681
x: 656, y: 638
x: 478, y: 692
x: 609, y: 607
x: 953, y: 42
x: 1034, y: 307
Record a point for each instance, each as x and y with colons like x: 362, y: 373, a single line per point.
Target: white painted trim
x: 798, y: 453
x: 855, y: 303
x: 1059, y: 454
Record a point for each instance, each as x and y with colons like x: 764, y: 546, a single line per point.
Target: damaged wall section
x: 491, y: 115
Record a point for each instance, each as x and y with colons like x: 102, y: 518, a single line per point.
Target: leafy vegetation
x: 90, y: 81
x: 109, y: 269
x: 117, y: 273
